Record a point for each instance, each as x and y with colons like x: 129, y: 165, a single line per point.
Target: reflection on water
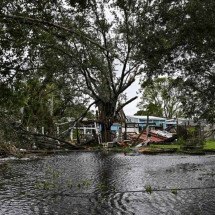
x: 98, y: 183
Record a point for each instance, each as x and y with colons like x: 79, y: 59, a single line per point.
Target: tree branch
x: 50, y: 24
x: 128, y: 50
x: 126, y: 103
x: 82, y: 115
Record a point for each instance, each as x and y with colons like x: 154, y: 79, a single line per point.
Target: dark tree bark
x: 107, y: 118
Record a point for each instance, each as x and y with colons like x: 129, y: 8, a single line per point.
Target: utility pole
x: 147, y: 126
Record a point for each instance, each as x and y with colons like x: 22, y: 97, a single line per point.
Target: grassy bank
x: 208, y: 147
x: 165, y: 146
x: 210, y: 144
x: 161, y: 148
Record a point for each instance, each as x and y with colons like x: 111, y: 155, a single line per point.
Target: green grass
x: 164, y: 146
x: 210, y: 144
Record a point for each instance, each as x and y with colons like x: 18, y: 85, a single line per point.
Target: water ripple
x: 98, y: 183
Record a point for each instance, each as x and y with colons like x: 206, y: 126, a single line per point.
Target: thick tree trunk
x: 107, y: 118
x: 106, y: 132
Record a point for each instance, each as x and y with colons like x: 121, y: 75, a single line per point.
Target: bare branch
x: 126, y: 103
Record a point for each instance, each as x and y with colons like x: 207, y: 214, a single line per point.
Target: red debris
x: 154, y: 138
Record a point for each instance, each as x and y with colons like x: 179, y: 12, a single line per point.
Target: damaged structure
x: 128, y: 130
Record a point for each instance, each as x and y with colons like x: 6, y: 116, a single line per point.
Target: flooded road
x: 101, y: 183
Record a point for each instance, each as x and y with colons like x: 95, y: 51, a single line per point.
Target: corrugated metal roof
x: 145, y: 117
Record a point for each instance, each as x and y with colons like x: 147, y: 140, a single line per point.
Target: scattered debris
x: 154, y: 136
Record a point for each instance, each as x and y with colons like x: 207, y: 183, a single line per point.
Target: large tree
x: 198, y: 95
x: 183, y: 41
x: 100, y: 41
x: 107, y: 42
x: 161, y: 97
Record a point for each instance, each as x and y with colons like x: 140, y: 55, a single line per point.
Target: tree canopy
x: 99, y: 43
x: 183, y: 41
x: 160, y: 97
x: 101, y: 46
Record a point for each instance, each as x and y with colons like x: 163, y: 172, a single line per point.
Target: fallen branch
x: 81, y: 117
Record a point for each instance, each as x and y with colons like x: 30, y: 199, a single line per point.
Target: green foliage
x: 150, y: 109
x: 192, y: 131
x: 174, y: 50
x: 193, y: 140
x: 34, y: 75
x: 62, y: 41
x: 148, y: 189
x: 180, y: 141
x: 160, y: 97
x: 76, y: 46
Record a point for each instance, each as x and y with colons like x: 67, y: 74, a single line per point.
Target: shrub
x: 193, y: 141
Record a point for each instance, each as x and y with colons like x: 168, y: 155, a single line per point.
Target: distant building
x: 138, y: 123
x: 180, y: 121
x: 156, y: 122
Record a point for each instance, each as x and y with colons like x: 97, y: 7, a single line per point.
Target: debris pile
x: 154, y: 136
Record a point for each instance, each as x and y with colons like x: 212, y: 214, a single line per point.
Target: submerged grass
x: 174, y: 191
x: 148, y: 189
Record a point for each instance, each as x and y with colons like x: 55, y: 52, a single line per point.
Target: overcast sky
x: 132, y: 91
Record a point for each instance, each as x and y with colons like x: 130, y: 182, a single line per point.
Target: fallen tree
x: 14, y: 136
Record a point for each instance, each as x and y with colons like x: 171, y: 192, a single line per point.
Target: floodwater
x: 107, y: 183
